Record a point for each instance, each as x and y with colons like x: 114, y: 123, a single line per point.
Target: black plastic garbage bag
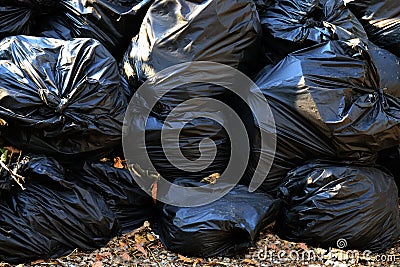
x: 20, y: 242
x: 324, y: 203
x: 113, y: 23
x: 224, y: 227
x: 62, y: 210
x: 190, y: 132
x: 177, y: 31
x: 289, y: 25
x: 130, y: 204
x: 328, y: 102
x: 60, y: 98
x: 381, y: 20
x: 15, y: 19
x: 52, y: 216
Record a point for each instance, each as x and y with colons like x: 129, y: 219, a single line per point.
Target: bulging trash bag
x: 20, y: 242
x: 328, y: 102
x: 224, y: 227
x: 327, y: 202
x: 177, y: 31
x: 381, y: 20
x: 113, y: 23
x: 130, y: 204
x: 60, y: 98
x: 55, y: 211
x: 289, y: 25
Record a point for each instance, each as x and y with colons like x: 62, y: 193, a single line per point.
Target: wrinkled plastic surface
x: 129, y: 203
x: 177, y: 31
x: 289, y: 25
x: 190, y: 137
x: 60, y: 98
x: 15, y: 19
x: 381, y: 20
x: 328, y: 103
x: 20, y: 242
x: 326, y: 202
x: 113, y: 23
x: 52, y: 216
x: 225, y: 227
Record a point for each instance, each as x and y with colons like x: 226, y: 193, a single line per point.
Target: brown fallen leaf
x: 98, y: 257
x: 197, y: 261
x: 141, y: 249
x: 154, y: 188
x: 125, y: 256
x: 118, y: 163
x: 97, y: 264
x: 122, y: 245
x: 12, y: 150
x: 272, y: 246
x: 150, y: 237
x: 141, y: 239
x: 211, y: 179
x: 184, y: 259
x: 106, y: 254
x: 37, y: 262
x: 250, y: 262
x: 3, y: 122
x: 303, y: 246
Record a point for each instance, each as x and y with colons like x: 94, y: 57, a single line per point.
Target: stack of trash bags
x: 328, y: 71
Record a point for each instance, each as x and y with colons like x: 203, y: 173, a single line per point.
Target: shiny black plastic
x: 325, y: 202
x: 381, y: 20
x: 177, y: 31
x: 129, y: 203
x: 329, y: 102
x: 52, y: 216
x: 289, y: 25
x: 225, y: 227
x: 113, y: 23
x: 60, y: 98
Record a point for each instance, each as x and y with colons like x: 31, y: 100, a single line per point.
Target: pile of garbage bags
x: 328, y: 71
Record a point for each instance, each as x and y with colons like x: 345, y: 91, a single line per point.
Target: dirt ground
x: 143, y: 248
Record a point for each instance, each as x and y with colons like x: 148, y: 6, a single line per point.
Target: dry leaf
x: 13, y: 150
x: 105, y: 254
x: 37, y: 262
x: 272, y: 246
x: 98, y: 257
x: 97, y: 264
x: 139, y: 248
x: 150, y: 237
x: 141, y: 239
x: 122, y: 245
x: 303, y: 246
x: 212, y: 179
x: 125, y: 256
x: 198, y: 260
x: 118, y: 163
x: 154, y: 188
x: 184, y: 259
x: 249, y: 261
